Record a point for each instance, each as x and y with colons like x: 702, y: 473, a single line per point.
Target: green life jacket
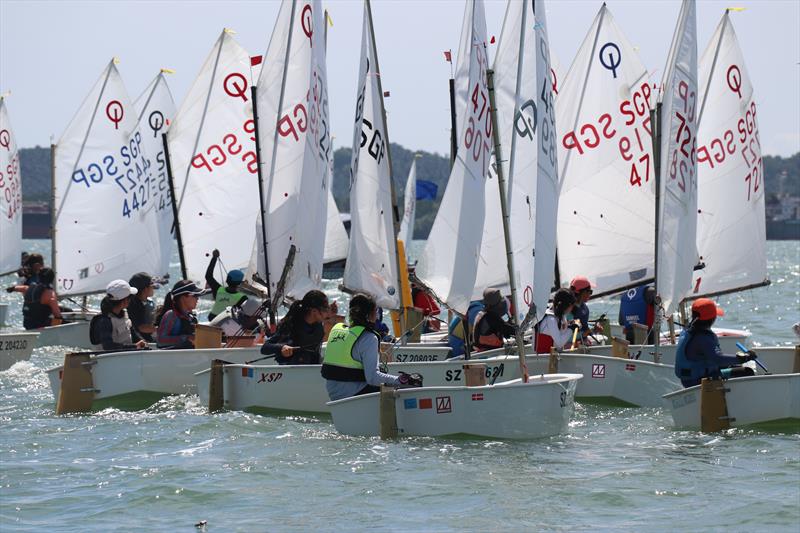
x: 224, y: 299
x: 338, y: 363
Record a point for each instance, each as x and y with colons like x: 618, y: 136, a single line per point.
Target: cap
x: 142, y: 280
x: 580, y: 283
x: 235, y: 276
x: 706, y: 309
x: 119, y: 289
x: 187, y: 287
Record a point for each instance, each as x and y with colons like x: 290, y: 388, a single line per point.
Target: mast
x: 453, y: 138
x: 175, y: 221
x: 655, y: 121
x: 53, y: 210
x: 274, y: 156
x: 395, y: 210
x: 506, y: 232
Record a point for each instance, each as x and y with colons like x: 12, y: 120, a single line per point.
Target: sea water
x: 172, y: 466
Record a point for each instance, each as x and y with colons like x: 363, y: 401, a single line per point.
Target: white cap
x: 119, y: 289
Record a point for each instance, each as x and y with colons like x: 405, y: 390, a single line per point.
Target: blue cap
x: 235, y: 276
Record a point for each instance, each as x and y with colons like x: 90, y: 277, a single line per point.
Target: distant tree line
x: 782, y: 175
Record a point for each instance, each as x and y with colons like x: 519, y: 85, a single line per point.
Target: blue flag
x: 426, y: 190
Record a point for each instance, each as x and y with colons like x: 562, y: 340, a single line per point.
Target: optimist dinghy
x: 773, y: 399
x: 542, y: 407
x: 15, y: 347
x: 134, y: 379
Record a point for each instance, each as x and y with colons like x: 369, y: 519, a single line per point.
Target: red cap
x: 580, y: 283
x: 706, y: 309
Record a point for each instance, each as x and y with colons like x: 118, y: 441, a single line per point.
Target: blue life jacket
x: 699, y: 356
x: 633, y: 307
x: 455, y: 330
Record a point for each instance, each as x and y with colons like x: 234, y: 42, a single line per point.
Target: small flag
x: 247, y: 372
x: 168, y: 71
x: 328, y: 19
x: 492, y: 40
x: 410, y: 403
x: 477, y: 397
x: 426, y: 190
x: 386, y: 94
x: 256, y: 60
x: 448, y: 56
x: 425, y: 403
x: 630, y: 367
x: 736, y: 9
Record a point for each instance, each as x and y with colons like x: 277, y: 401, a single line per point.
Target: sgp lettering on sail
x: 127, y: 168
x: 10, y: 187
x: 231, y: 146
x: 308, y: 120
x: 628, y: 125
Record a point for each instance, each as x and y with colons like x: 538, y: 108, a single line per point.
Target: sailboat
x: 156, y: 113
x: 105, y: 222
x: 13, y: 346
x: 542, y: 404
x: 409, y: 205
x: 212, y: 163
x: 727, y: 215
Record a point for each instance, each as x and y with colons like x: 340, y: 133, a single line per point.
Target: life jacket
x: 34, y: 313
x: 455, y: 330
x: 543, y: 342
x: 634, y: 309
x: 338, y: 363
x: 120, y: 328
x: 488, y: 341
x: 224, y: 299
x: 308, y: 337
x: 691, y: 364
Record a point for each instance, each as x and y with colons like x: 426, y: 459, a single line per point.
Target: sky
x: 51, y: 52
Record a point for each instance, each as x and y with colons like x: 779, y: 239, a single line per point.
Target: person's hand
x: 11, y: 288
x: 749, y: 355
x: 215, y: 253
x: 287, y: 350
x: 409, y: 380
x: 598, y: 328
x: 141, y: 345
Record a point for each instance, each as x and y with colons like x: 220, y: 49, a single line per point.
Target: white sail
x: 10, y: 196
x: 336, y: 240
x: 295, y: 149
x: 731, y: 227
x: 214, y: 169
x: 676, y: 239
x: 156, y: 111
x: 606, y: 210
x: 449, y: 262
x: 105, y: 208
x: 409, y: 206
x: 372, y: 256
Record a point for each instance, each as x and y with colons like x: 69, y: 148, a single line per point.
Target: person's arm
x: 214, y: 284
x: 273, y: 345
x: 507, y: 329
x: 711, y: 346
x: 16, y: 288
x: 169, y: 331
x: 366, y: 351
x: 49, y: 299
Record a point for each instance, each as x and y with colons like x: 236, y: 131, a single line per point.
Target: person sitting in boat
x: 40, y: 304
x: 227, y: 296
x: 350, y: 364
x: 554, y: 331
x: 240, y: 319
x: 698, y: 354
x: 298, y: 338
x: 490, y: 330
x: 176, y: 324
x: 32, y: 265
x: 425, y: 303
x: 455, y: 330
x: 581, y: 288
x: 111, y: 329
x: 637, y: 306
x: 142, y: 309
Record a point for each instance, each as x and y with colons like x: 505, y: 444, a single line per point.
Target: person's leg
x: 368, y: 389
x: 737, y: 372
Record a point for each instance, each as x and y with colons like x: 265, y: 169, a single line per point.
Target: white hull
x: 74, y: 335
x: 15, y: 347
x: 727, y: 337
x: 138, y: 378
x: 301, y: 388
x: 510, y: 410
x: 750, y: 400
x: 618, y: 380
